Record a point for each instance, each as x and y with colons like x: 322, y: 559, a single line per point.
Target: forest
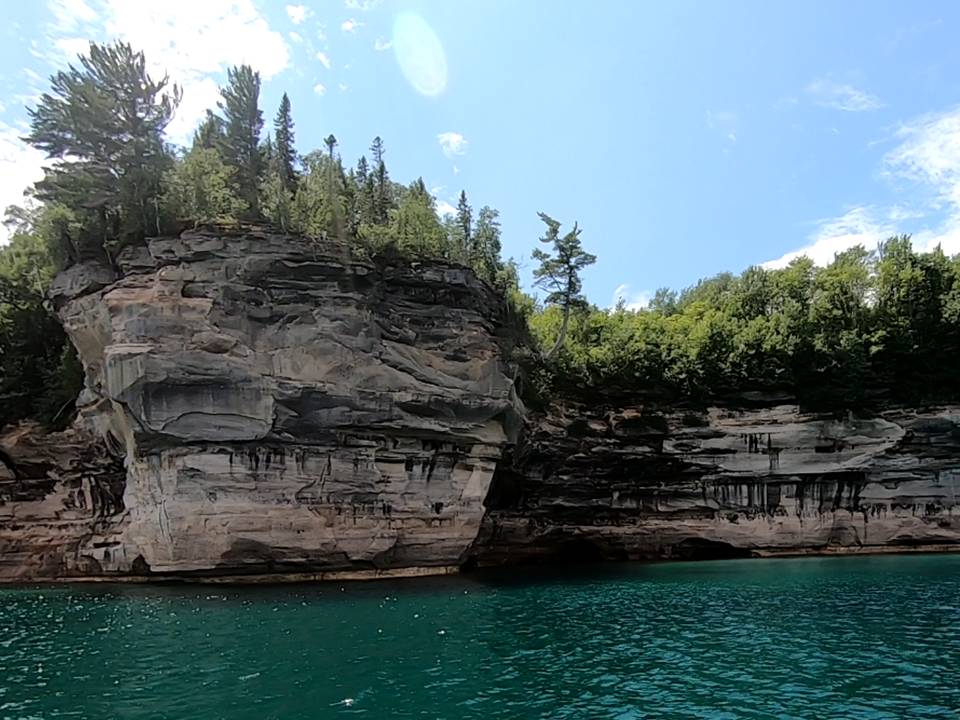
x: 874, y: 327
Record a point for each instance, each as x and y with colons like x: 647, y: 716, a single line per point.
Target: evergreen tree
x: 416, y: 227
x: 102, y: 122
x: 465, y: 221
x: 364, y: 197
x: 200, y: 188
x: 381, y: 183
x: 210, y: 134
x: 485, y: 244
x: 286, y: 154
x: 559, y: 273
x: 244, y: 122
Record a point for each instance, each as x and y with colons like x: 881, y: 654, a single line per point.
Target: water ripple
x: 811, y: 638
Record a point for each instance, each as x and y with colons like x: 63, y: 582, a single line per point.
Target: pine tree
x: 363, y: 206
x: 559, y: 274
x: 381, y: 183
x: 417, y: 227
x: 464, y: 222
x: 286, y: 154
x: 244, y: 122
x: 210, y: 134
x: 485, y: 244
x: 102, y: 123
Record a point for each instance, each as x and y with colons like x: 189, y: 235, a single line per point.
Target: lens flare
x: 420, y: 54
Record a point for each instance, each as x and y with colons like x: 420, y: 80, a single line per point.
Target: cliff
x: 279, y: 406
x: 642, y: 483
x: 258, y: 404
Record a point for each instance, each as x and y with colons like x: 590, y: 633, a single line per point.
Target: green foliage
x: 415, y: 227
x: 559, y: 273
x: 102, y: 123
x: 286, y: 155
x: 211, y: 133
x: 243, y: 124
x: 200, y: 188
x: 866, y: 329
x: 39, y: 375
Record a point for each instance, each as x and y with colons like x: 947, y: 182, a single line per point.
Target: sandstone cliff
x: 638, y: 483
x: 280, y: 406
x: 261, y: 404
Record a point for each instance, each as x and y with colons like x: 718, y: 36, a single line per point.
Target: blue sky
x: 687, y: 138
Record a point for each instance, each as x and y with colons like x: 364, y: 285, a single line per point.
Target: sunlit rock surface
x: 642, y: 483
x: 283, y: 406
x: 61, y: 503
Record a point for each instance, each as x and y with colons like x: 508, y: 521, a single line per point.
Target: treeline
x: 869, y: 329
x: 40, y: 375
x: 116, y: 180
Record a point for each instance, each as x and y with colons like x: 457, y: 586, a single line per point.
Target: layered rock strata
x: 639, y: 483
x: 281, y: 405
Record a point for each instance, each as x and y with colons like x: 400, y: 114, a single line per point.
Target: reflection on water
x: 873, y: 637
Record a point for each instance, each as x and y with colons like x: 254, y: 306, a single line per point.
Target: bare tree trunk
x: 562, y: 336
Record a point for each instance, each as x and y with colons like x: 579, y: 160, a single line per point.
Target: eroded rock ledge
x: 640, y: 483
x: 280, y: 406
x: 263, y: 406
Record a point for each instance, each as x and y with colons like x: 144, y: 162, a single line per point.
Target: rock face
x: 282, y: 406
x: 259, y: 404
x: 636, y: 483
x: 61, y: 501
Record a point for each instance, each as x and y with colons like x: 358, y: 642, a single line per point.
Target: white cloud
x: 361, y: 5
x: 194, y: 42
x: 348, y: 26
x: 343, y: 86
x: 632, y: 300
x: 324, y: 59
x: 452, y: 143
x: 380, y: 45
x: 319, y: 89
x: 71, y: 15
x: 841, y: 96
x: 445, y: 208
x: 925, y: 167
x: 929, y: 155
x: 858, y: 226
x: 297, y: 13
x: 20, y: 167
x: 295, y: 37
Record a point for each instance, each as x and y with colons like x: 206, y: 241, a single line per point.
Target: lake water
x: 867, y: 637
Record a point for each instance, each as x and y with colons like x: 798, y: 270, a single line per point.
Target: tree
x: 39, y: 374
x: 465, y: 221
x: 200, y: 188
x: 211, y: 132
x: 381, y: 183
x: 416, y: 227
x: 244, y: 122
x: 485, y: 244
x: 364, y: 196
x: 559, y: 273
x: 285, y: 153
x: 277, y: 201
x: 103, y: 123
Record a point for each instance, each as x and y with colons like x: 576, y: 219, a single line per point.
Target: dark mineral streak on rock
x: 280, y: 406
x: 258, y: 403
x: 644, y: 483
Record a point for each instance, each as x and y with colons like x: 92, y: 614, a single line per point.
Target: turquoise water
x: 871, y: 637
